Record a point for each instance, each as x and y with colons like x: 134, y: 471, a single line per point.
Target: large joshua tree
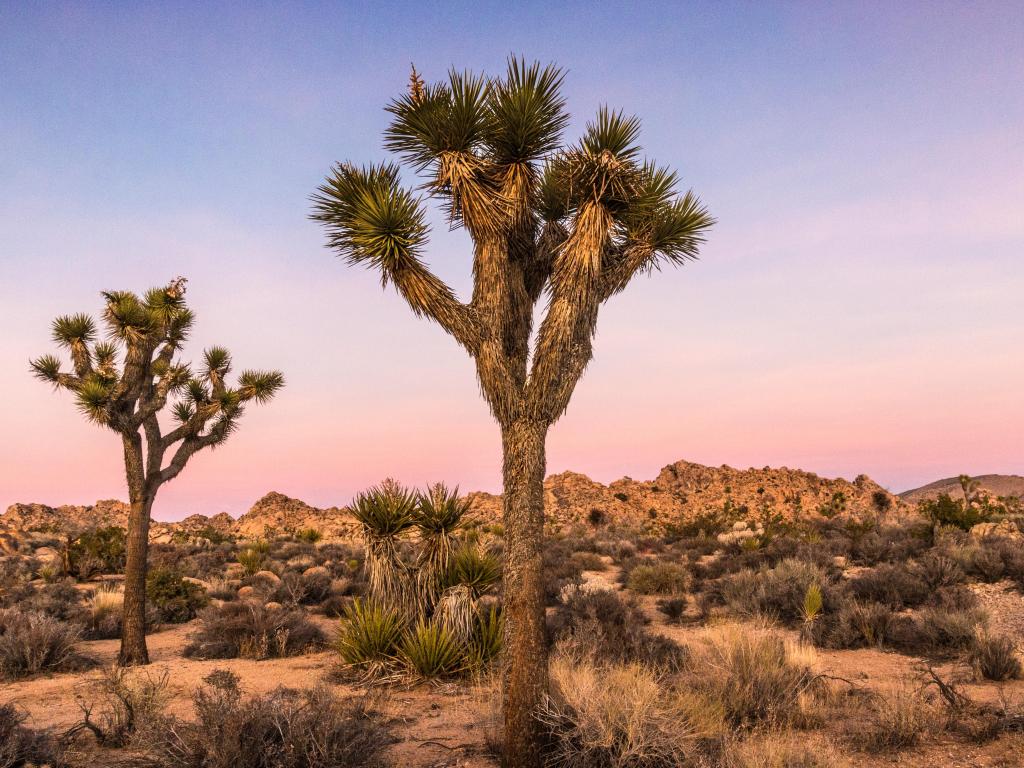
x: 125, y: 383
x: 570, y: 223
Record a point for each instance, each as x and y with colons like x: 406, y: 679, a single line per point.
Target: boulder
x: 1004, y: 529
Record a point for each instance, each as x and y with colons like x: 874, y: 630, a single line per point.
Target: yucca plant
x: 438, y: 519
x: 811, y: 608
x: 369, y: 635
x: 572, y: 224
x: 485, y: 642
x: 125, y: 383
x: 430, y: 651
x: 251, y: 560
x: 471, y: 574
x: 384, y: 513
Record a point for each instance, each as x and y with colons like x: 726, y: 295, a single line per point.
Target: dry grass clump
x: 617, y: 716
x: 31, y: 642
x: 994, y: 657
x: 251, y: 631
x: 781, y: 751
x: 895, y: 721
x: 22, y: 747
x: 283, y: 729
x: 755, y: 675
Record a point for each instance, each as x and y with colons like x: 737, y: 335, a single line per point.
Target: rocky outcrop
x: 680, y: 492
x: 277, y: 513
x: 66, y: 518
x: 684, y: 490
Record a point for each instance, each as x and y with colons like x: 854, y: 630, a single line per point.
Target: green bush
x: 431, y: 651
x: 369, y: 635
x: 309, y: 535
x: 177, y: 600
x: 488, y: 633
x: 956, y: 513
x: 100, y: 550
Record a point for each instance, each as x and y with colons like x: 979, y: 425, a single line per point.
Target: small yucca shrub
x: 369, y: 635
x: 309, y: 535
x: 430, y: 650
x: 485, y: 644
x: 251, y: 559
x: 474, y: 568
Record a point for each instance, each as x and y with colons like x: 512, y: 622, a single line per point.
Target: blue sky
x: 857, y: 308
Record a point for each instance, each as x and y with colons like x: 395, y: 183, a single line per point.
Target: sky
x: 857, y: 308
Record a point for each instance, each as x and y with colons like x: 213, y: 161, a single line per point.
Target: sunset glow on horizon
x: 857, y: 308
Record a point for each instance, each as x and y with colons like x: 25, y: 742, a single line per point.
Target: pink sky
x: 857, y: 309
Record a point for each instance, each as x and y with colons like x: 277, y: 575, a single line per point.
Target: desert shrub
x: 589, y: 561
x: 947, y: 511
x: 994, y: 657
x: 245, y: 630
x: 937, y: 570
x: 252, y: 560
x: 755, y: 676
x: 935, y: 632
x: 881, y: 501
x: 60, y: 600
x: 369, y: 636
x: 311, y: 587
x: 23, y: 747
x: 673, y: 607
x: 623, y: 716
x: 777, y: 592
x: 895, y: 721
x: 601, y: 626
x: 560, y: 569
x: 176, y: 599
x: 100, y: 550
x: 430, y: 650
x: 659, y: 579
x: 891, y: 585
x: 987, y: 563
x: 283, y: 729
x: 956, y: 598
x: 855, y: 624
x: 309, y: 535
x: 132, y: 704
x: 32, y: 642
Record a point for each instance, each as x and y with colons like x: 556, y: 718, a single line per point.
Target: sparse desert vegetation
x: 848, y: 639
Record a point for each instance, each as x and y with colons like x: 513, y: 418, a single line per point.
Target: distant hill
x: 681, y: 491
x: 996, y: 485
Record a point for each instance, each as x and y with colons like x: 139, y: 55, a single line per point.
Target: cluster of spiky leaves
x: 433, y: 594
x: 125, y: 380
x: 576, y: 222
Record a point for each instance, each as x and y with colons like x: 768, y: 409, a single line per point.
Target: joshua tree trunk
x: 133, y: 635
x: 526, y: 672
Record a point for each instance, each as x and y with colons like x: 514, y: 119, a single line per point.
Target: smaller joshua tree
x: 125, y: 383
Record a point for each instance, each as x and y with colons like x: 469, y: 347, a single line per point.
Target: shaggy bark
x: 133, y: 633
x: 525, y: 670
